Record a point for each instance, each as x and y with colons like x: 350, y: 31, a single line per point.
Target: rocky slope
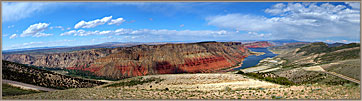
x: 32, y: 75
x: 342, y: 59
x: 60, y: 60
x: 167, y: 59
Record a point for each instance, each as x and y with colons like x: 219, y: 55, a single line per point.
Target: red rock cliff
x: 169, y: 58
x: 143, y: 59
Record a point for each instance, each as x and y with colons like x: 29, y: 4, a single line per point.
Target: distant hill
x: 60, y: 49
x: 335, y: 44
x: 28, y: 49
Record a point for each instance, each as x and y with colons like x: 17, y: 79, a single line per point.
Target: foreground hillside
x: 200, y: 86
x: 43, y: 78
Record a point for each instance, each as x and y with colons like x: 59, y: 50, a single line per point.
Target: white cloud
x: 182, y: 25
x: 41, y: 35
x: 297, y: 21
x: 35, y: 30
x: 5, y: 35
x: 92, y: 24
x: 68, y: 33
x: 42, y: 44
x: 59, y: 27
x: 32, y: 43
x: 123, y: 31
x: 13, y: 36
x: 354, y: 5
x: 13, y: 11
x: 117, y: 21
x: 11, y: 26
x: 255, y: 34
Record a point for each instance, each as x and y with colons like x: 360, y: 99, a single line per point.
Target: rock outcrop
x: 60, y: 60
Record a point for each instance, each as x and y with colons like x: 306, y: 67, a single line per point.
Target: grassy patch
x: 8, y: 90
x: 88, y: 75
x: 137, y: 81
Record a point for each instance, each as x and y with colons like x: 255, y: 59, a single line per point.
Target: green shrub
x: 134, y: 82
x: 278, y: 80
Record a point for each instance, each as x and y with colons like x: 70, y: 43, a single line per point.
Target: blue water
x: 253, y: 60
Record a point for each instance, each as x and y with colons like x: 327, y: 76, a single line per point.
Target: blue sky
x: 44, y: 24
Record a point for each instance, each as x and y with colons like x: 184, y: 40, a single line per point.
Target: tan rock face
x: 59, y: 60
x: 143, y: 59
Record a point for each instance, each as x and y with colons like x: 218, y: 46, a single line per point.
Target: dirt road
x: 27, y: 86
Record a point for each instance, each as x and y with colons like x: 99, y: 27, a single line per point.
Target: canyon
x: 139, y: 60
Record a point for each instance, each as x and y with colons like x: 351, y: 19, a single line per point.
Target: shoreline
x: 230, y: 69
x: 241, y: 63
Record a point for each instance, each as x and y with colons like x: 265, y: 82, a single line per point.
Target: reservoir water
x: 253, y: 60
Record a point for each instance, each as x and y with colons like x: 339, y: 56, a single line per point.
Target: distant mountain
x: 34, y: 48
x: 283, y: 41
x: 335, y: 44
x: 60, y: 49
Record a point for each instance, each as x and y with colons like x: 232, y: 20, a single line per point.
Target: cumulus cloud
x: 97, y: 22
x: 13, y: 36
x: 92, y: 24
x: 117, y: 21
x: 297, y: 21
x: 35, y: 30
x: 182, y: 25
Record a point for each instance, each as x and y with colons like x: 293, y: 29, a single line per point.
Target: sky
x: 48, y: 24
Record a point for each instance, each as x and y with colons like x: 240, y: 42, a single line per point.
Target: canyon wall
x: 145, y: 59
x: 168, y: 59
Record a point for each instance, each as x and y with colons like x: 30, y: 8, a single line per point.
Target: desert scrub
x: 277, y: 80
x: 137, y: 81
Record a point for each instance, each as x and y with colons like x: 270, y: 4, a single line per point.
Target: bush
x: 135, y: 82
x: 278, y: 80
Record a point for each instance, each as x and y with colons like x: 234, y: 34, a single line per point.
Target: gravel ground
x: 226, y: 86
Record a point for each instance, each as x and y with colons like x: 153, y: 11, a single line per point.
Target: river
x: 253, y: 60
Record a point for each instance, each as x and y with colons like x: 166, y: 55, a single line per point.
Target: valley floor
x: 201, y: 86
